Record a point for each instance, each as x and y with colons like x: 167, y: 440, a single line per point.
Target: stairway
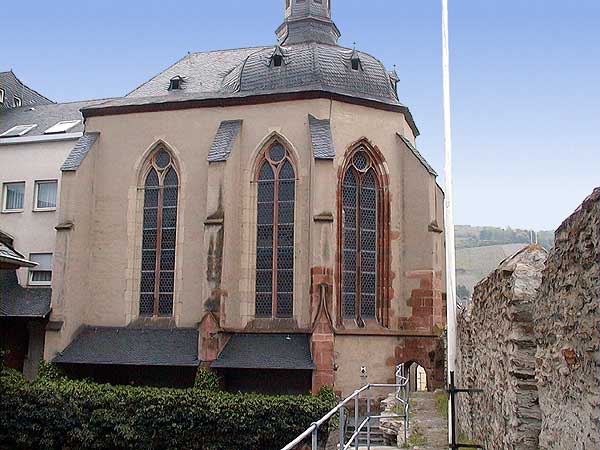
x: 377, y: 437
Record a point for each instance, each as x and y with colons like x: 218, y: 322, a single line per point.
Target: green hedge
x: 56, y: 413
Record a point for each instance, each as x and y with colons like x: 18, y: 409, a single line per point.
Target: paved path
x: 426, y: 418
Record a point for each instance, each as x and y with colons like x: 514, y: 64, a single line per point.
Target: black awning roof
x: 266, y: 351
x: 133, y: 347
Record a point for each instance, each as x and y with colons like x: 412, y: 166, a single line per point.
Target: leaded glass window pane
x: 159, y: 238
x: 359, y: 234
x: 349, y: 199
x: 275, y: 235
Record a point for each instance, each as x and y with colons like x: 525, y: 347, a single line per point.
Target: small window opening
x: 277, y: 57
x: 355, y: 59
x: 176, y: 83
x: 17, y: 102
x: 1, y: 96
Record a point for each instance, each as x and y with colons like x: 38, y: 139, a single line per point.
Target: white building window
x: 45, y: 195
x: 62, y: 127
x: 1, y: 96
x: 41, y: 275
x: 14, y: 196
x: 17, y: 102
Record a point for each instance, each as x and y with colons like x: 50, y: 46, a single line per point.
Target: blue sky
x: 525, y: 74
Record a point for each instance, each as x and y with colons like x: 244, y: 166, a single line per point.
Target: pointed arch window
x: 276, y: 180
x: 363, y: 231
x: 161, y: 192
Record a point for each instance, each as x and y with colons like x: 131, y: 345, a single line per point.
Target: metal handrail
x: 402, y: 390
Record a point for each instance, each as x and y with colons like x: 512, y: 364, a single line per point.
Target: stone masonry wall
x: 497, y: 354
x: 567, y: 329
x: 531, y: 339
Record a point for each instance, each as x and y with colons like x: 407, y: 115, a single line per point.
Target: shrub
x: 207, y: 380
x: 63, y: 414
x: 49, y: 371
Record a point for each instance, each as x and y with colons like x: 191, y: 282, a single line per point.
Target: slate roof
x: 312, y: 66
x: 321, y: 138
x: 10, y: 256
x: 418, y: 155
x: 13, y: 86
x: 201, y: 72
x: 247, y: 72
x: 222, y: 145
x: 79, y: 152
x: 44, y: 116
x: 266, y: 351
x: 133, y: 347
x: 17, y: 301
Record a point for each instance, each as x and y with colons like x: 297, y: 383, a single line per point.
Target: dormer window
x: 17, y: 101
x: 355, y: 60
x: 176, y: 83
x: 277, y: 57
x: 394, y: 79
x: 1, y: 96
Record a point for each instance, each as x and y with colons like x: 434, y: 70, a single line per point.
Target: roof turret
x: 308, y: 21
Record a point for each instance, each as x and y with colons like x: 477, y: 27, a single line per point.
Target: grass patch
x: 441, y: 402
x: 416, y: 438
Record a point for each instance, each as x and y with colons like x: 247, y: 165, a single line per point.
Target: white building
x: 35, y: 141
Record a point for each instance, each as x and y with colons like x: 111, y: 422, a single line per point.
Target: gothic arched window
x: 161, y: 188
x: 363, y: 233
x: 276, y: 180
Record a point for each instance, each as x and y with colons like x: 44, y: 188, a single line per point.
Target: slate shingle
x: 79, y: 152
x: 12, y: 87
x: 266, y: 351
x: 321, y: 138
x: 44, y: 116
x: 133, y: 346
x: 17, y: 301
x: 418, y: 155
x: 222, y: 145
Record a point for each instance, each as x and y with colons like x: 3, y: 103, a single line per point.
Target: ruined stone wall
x: 567, y: 329
x: 497, y: 354
x: 531, y: 339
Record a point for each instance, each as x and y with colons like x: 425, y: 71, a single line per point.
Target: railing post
x: 356, y: 419
x: 342, y: 428
x: 369, y: 418
x: 406, y: 409
x: 315, y: 440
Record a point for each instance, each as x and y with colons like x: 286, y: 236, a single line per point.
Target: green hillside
x: 479, y: 250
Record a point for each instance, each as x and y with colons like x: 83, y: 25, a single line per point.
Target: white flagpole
x: 448, y: 208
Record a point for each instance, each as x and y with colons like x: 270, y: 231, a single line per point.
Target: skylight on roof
x: 62, y: 127
x: 18, y: 130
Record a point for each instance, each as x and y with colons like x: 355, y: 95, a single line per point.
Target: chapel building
x: 263, y: 212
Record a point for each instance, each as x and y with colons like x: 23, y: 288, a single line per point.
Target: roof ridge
x: 187, y: 55
x: 27, y: 86
x: 231, y: 49
x: 20, y: 108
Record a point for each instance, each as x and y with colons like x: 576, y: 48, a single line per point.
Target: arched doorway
x: 418, y: 379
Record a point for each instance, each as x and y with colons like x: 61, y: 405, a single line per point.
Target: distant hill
x: 479, y: 250
x: 468, y: 236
